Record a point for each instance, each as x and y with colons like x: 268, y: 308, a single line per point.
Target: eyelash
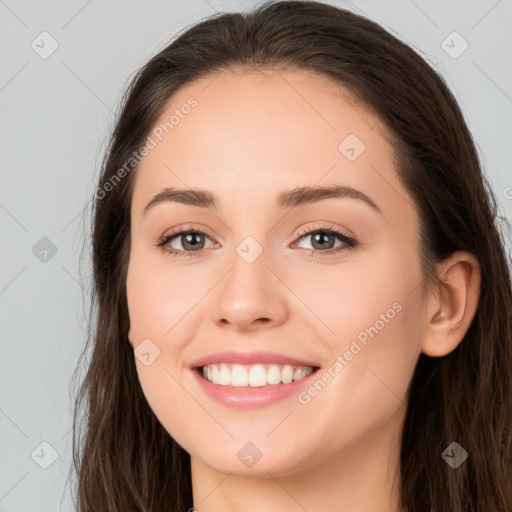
x: 349, y: 242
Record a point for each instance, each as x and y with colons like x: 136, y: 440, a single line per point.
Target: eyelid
x: 348, y: 241
x: 187, y: 227
x: 308, y: 230
x: 182, y: 230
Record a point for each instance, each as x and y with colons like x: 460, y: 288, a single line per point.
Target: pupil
x: 320, y: 237
x: 190, y: 240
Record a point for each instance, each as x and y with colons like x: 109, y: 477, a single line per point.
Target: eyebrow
x: 299, y: 196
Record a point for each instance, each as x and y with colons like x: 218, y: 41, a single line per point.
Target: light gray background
x: 55, y: 116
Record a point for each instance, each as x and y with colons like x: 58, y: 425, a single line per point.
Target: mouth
x: 254, y: 376
x: 251, y: 379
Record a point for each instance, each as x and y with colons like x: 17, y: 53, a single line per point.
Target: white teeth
x: 256, y: 375
x: 239, y: 376
x: 287, y: 375
x: 225, y: 375
x: 274, y: 375
x: 215, y: 374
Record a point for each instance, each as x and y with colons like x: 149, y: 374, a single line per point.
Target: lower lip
x: 247, y: 397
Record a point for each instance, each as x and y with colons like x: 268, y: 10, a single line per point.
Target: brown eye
x: 192, y: 241
x: 184, y: 242
x: 323, y: 240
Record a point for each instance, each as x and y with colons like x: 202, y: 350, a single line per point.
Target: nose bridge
x: 250, y: 290
x: 253, y: 246
x: 251, y: 238
x: 249, y: 266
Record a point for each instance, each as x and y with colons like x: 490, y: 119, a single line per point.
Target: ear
x: 130, y: 336
x: 452, y: 304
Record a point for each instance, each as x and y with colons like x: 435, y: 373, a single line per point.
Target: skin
x: 251, y: 136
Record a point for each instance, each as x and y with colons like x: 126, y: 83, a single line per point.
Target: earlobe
x: 452, y: 305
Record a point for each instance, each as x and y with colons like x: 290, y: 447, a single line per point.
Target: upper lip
x: 254, y: 357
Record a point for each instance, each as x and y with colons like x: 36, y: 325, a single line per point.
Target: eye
x: 192, y: 242
x: 323, y: 240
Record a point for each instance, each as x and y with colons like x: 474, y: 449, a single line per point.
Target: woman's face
x: 253, y: 292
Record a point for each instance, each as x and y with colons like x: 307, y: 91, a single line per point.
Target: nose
x: 250, y: 297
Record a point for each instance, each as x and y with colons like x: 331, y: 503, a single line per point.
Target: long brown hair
x: 124, y: 458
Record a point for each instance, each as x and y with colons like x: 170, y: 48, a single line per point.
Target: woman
x: 302, y: 299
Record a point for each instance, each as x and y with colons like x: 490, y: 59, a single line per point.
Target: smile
x: 256, y: 375
x: 251, y: 379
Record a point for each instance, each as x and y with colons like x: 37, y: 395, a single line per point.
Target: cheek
x: 375, y: 316
x: 160, y: 298
x: 161, y: 308
x: 374, y: 353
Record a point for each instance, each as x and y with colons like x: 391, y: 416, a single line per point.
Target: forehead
x: 255, y: 132
x: 251, y: 106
